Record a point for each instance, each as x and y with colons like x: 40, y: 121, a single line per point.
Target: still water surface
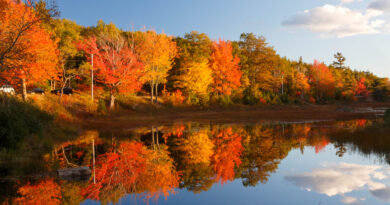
x: 344, y: 162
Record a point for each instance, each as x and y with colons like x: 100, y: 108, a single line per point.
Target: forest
x: 107, y: 66
x: 149, y: 114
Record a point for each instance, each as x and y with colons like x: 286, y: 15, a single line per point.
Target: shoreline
x: 239, y: 115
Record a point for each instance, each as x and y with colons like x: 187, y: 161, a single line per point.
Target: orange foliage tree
x: 302, y: 85
x: 133, y: 168
x: 322, y: 80
x: 228, y: 149
x: 118, y: 68
x: 45, y: 192
x: 157, y: 52
x: 226, y: 71
x: 27, y: 52
x: 361, y: 88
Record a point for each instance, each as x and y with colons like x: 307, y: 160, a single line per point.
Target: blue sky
x: 313, y: 29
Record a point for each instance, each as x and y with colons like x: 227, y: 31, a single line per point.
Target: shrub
x: 348, y: 95
x: 102, y: 106
x: 225, y: 101
x: 386, y: 117
x: 284, y: 99
x: 19, y: 120
x: 174, y: 99
x: 312, y: 100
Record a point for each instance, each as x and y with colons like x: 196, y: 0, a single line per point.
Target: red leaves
x: 361, y: 88
x: 45, y: 192
x: 117, y: 66
x: 322, y: 80
x: 118, y: 169
x: 226, y: 71
x: 228, y: 149
x: 133, y: 168
x: 321, y: 145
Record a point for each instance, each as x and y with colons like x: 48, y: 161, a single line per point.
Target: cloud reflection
x: 342, y: 178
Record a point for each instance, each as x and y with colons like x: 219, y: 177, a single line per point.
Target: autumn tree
x: 118, y: 68
x: 197, y: 79
x: 70, y: 58
x: 226, y: 71
x: 259, y: 64
x: 191, y: 72
x: 156, y: 52
x: 361, y: 88
x: 17, y: 21
x: 27, y: 53
x: 301, y: 84
x: 322, y: 81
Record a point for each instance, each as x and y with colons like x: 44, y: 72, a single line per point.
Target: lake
x: 323, y: 162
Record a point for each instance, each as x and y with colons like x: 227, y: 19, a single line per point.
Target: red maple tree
x: 226, y: 71
x: 117, y: 66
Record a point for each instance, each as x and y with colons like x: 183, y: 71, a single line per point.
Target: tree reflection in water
x: 159, y: 161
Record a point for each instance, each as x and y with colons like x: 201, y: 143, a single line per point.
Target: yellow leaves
x: 302, y: 82
x: 198, y: 77
x: 198, y: 148
x: 157, y: 52
x: 161, y: 176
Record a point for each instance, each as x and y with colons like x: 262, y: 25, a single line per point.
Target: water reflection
x: 343, y: 178
x: 150, y: 163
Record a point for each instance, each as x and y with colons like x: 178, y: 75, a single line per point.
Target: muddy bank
x: 243, y: 114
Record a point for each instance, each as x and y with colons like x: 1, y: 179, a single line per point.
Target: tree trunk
x: 24, y: 92
x: 151, y: 92
x: 156, y: 92
x: 62, y: 91
x: 112, y: 100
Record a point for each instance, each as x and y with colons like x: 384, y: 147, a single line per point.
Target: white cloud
x: 337, y: 21
x: 381, y: 5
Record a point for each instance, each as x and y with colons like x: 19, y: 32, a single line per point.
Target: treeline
x: 38, y: 49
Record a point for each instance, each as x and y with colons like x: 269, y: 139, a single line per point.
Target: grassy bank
x: 77, y: 112
x: 234, y: 114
